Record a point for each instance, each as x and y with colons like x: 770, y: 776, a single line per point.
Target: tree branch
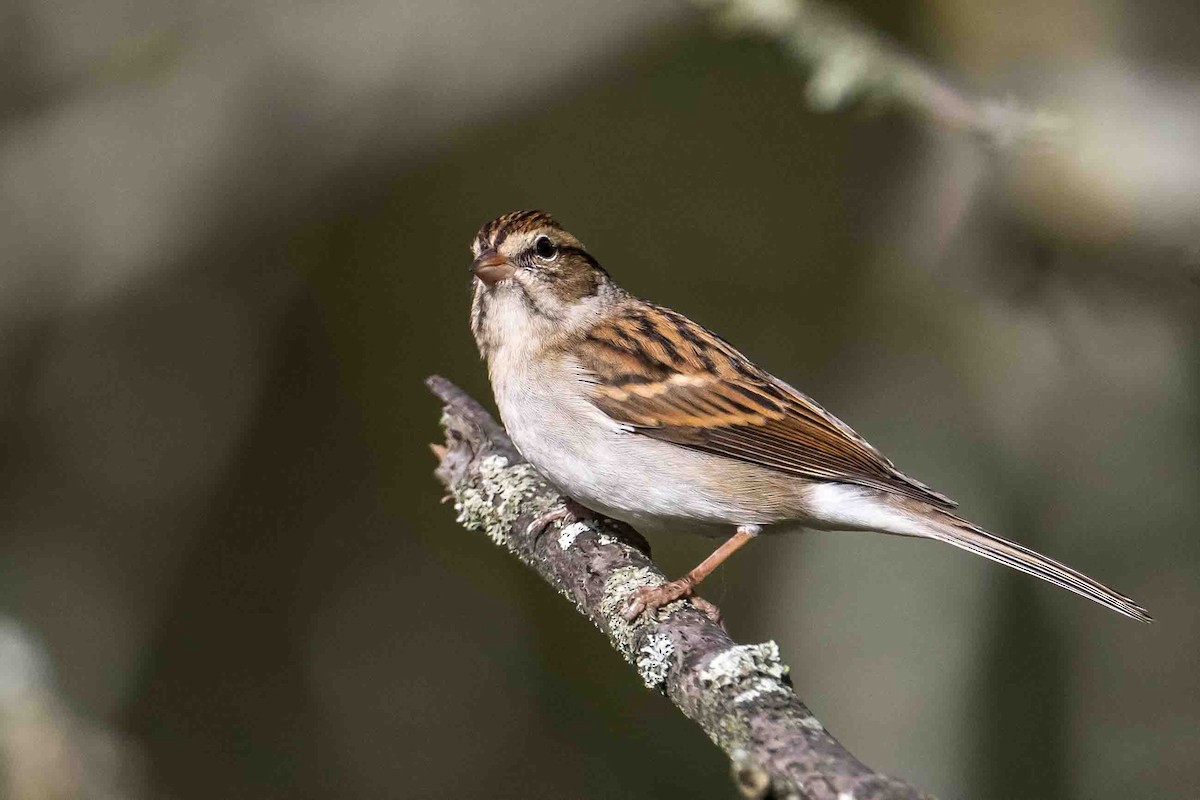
x: 739, y: 694
x: 47, y: 750
x: 850, y: 62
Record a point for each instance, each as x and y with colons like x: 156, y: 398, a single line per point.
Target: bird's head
x: 532, y: 278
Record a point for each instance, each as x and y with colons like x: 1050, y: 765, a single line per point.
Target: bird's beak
x: 491, y: 267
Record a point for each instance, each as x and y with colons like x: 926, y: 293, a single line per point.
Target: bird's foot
x: 707, y: 609
x: 651, y: 598
x: 568, y: 510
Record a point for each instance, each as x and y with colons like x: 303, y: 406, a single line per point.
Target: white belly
x: 650, y: 484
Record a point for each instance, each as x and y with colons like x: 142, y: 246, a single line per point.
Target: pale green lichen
x: 570, y: 534
x: 654, y: 660
x: 812, y: 723
x: 617, y: 589
x: 751, y: 671
x: 759, y: 687
x: 743, y: 663
x: 495, y: 501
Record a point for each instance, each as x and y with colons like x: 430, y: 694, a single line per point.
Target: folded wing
x: 669, y: 378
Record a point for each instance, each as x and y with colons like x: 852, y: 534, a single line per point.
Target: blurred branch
x: 739, y: 694
x: 850, y: 62
x: 46, y: 751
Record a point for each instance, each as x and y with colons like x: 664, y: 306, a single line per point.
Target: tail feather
x: 839, y: 506
x: 960, y: 533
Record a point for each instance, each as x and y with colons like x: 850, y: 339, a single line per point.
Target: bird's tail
x: 838, y: 506
x: 946, y: 527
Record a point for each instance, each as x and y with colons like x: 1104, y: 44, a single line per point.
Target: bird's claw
x: 539, y: 525
x: 568, y: 510
x: 651, y: 598
x: 708, y: 609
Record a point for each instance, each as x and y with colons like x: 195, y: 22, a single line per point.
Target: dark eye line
x: 530, y: 260
x: 579, y: 251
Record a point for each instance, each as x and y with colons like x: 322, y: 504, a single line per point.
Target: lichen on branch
x: 739, y: 694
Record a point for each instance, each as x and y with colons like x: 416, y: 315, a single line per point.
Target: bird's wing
x: 666, y: 377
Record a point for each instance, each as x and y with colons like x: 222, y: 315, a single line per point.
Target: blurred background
x: 235, y: 242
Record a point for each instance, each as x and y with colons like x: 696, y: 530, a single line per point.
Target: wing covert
x: 667, y: 377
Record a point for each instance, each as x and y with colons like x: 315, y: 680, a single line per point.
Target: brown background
x: 235, y: 242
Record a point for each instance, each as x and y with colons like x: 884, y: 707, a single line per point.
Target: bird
x: 636, y: 412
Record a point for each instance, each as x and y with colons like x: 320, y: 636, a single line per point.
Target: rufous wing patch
x: 671, y: 379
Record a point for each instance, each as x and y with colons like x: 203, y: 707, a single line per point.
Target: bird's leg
x: 649, y: 598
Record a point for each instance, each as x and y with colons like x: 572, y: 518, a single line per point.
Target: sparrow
x: 637, y: 412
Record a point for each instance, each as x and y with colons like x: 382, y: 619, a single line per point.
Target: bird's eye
x: 545, y: 248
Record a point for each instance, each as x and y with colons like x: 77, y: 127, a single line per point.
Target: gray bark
x: 740, y: 694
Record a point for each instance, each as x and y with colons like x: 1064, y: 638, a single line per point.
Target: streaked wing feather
x: 669, y: 378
